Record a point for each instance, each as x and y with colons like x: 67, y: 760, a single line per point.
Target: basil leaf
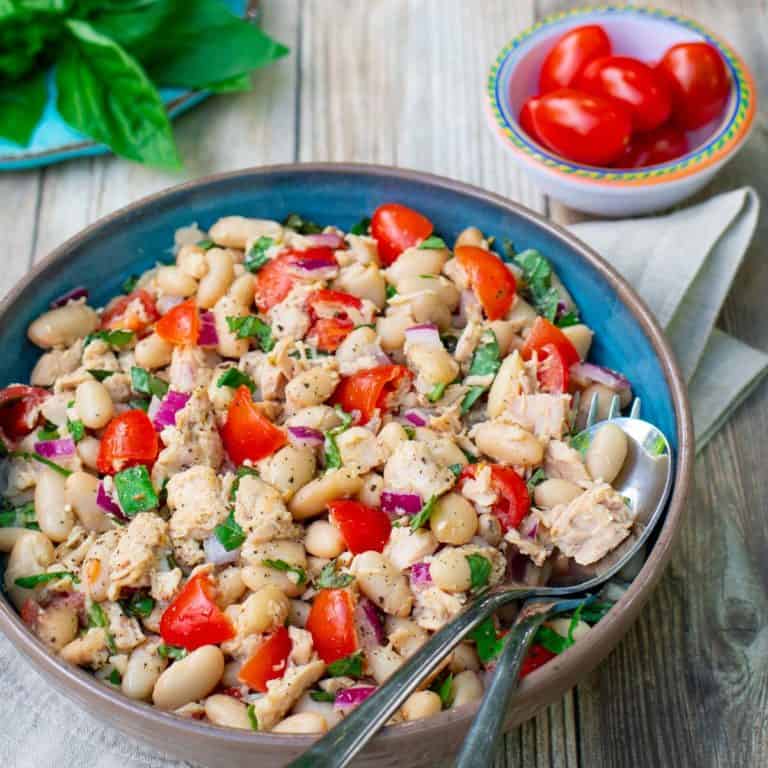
x: 539, y: 476
x: 139, y: 403
x: 486, y: 358
x: 432, y: 243
x: 113, y: 338
x: 456, y: 469
x: 595, y: 612
x: 480, y: 571
x: 236, y: 84
x: 391, y: 291
x: 30, y: 582
x: 229, y: 533
x: 206, y: 244
x: 474, y: 394
x: 409, y: 431
x: 21, y: 107
x: 437, y: 392
x: 99, y: 374
x: 134, y: 490
x: 551, y: 640
x: 175, y: 652
x: 129, y: 284
x: 332, y: 456
x: 144, y: 382
x: 567, y: 319
x: 331, y: 578
x: 97, y: 618
x: 76, y: 429
x: 322, y: 696
x: 251, y: 326
x: 32, y: 456
x: 281, y: 565
x: 445, y: 691
x: 115, y: 677
x: 23, y: 516
x: 424, y: 514
x: 487, y: 644
x: 349, y: 666
x: 257, y: 257
x: 252, y: 717
x: 545, y: 297
x: 361, y: 228
x: 449, y: 342
x: 139, y: 605
x: 301, y: 225
x: 48, y: 432
x: 104, y: 93
x: 234, y: 378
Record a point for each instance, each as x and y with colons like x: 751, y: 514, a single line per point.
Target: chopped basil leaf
x: 134, y: 490
x: 144, y: 382
x: 229, y: 533
x: 330, y: 578
x: 257, y: 257
x: 251, y: 326
x: 332, y: 456
x: 472, y: 396
x: 428, y: 277
x: 241, y: 472
x: 480, y: 571
x: 97, y: 618
x: 456, y: 469
x: 48, y: 432
x: 444, y: 689
x: 423, y: 514
x: 410, y: 431
x: 115, y: 677
x: 361, y: 228
x: 30, y: 582
x: 581, y: 441
x: 234, y: 378
x: 322, y: 696
x: 488, y: 645
x: 349, y: 666
x: 114, y: 338
x: 301, y: 225
x: 23, y: 516
x: 139, y: 403
x: 100, y: 374
x: 595, y: 612
x: 566, y: 319
x: 539, y: 476
x: 391, y: 291
x: 171, y: 651
x: 206, y: 244
x: 281, y: 565
x: 449, y: 342
x: 129, y: 284
x: 437, y: 392
x: 139, y: 605
x: 551, y: 640
x: 76, y: 429
x: 32, y: 456
x: 432, y: 243
x: 486, y: 358
x: 254, y: 721
x: 537, y: 273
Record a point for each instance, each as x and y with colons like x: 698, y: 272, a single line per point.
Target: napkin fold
x: 683, y: 264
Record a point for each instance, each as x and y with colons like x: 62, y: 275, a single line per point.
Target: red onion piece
x: 76, y: 293
x: 416, y: 417
x: 306, y: 436
x: 170, y: 405
x: 326, y: 240
x: 600, y: 375
x: 349, y: 698
x: 51, y: 449
x: 370, y: 631
x: 420, y: 575
x: 396, y: 503
x: 425, y: 334
x: 108, y: 504
x: 217, y: 554
x: 207, y: 337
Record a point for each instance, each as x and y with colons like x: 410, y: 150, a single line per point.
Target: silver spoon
x: 645, y: 478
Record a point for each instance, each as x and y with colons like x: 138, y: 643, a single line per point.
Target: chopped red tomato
x: 327, y: 333
x: 363, y: 528
x: 395, y: 228
x: 327, y: 303
x: 332, y: 323
x: 332, y: 624
x: 367, y: 390
x: 247, y: 433
x: 134, y: 312
x: 492, y: 283
x: 514, y: 502
x: 193, y: 619
x: 181, y: 325
x: 269, y: 661
x: 544, y: 333
x: 20, y: 409
x: 537, y: 657
x: 552, y: 372
x: 129, y: 439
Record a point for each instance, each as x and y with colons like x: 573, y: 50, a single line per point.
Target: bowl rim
x: 725, y: 141
x: 140, y: 718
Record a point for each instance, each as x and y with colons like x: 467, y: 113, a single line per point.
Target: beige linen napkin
x: 682, y: 264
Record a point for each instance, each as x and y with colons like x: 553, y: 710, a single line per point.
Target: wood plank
x: 20, y: 193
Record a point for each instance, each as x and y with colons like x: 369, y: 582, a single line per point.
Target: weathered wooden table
x: 400, y: 82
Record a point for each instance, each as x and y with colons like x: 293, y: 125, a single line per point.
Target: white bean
x: 415, y: 262
x: 363, y: 281
x: 321, y: 417
x: 94, y: 405
x: 54, y: 516
x: 324, y: 708
x: 391, y: 329
x: 442, y: 287
x: 450, y: 570
x: 489, y: 528
x: 580, y: 336
x: 370, y: 493
x: 191, y: 259
x: 437, y: 366
x: 229, y: 344
x: 63, y: 326
x: 313, y: 498
x: 153, y: 352
x: 380, y: 581
x: 304, y: 722
x: 289, y: 469
x: 505, y: 385
x: 421, y: 704
x: 32, y: 554
x: 221, y: 273
x: 142, y: 673
x: 237, y: 231
x: 88, y: 451
x: 243, y: 288
x: 554, y: 491
x: 80, y: 490
x: 56, y: 626
x: 225, y: 710
x: 454, y: 520
x: 464, y: 657
x: 466, y: 688
x: 230, y: 586
x: 9, y: 537
x: 509, y: 444
x: 311, y: 387
x: 262, y: 611
x: 189, y: 679
x: 324, y: 540
x: 471, y: 236
x: 176, y: 282
x: 606, y: 453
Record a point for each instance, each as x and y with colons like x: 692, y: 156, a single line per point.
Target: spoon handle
x: 481, y: 743
x: 337, y: 748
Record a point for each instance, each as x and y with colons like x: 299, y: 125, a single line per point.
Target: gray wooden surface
x: 400, y: 82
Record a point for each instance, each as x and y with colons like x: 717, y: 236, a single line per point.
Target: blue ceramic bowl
x: 133, y: 239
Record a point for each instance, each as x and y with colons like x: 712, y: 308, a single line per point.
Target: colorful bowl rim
x: 727, y: 139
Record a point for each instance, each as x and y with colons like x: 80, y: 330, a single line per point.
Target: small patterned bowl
x: 634, y: 31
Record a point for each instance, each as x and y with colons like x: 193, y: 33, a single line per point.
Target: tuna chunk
x: 283, y: 692
x: 542, y: 414
x: 413, y: 468
x: 565, y: 463
x: 134, y: 558
x: 261, y: 512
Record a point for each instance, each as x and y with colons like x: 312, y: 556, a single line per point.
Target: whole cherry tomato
x: 514, y: 501
x: 128, y: 440
x: 552, y: 373
x: 542, y: 335
x: 653, y: 148
x: 134, y: 312
x: 363, y: 528
x: 526, y: 118
x: 586, y: 129
x: 180, y: 325
x: 698, y: 82
x: 193, y: 619
x: 396, y: 227
x: 491, y: 281
x: 572, y: 52
x: 643, y: 91
x: 367, y: 390
x: 20, y: 409
x: 268, y: 662
x: 248, y: 433
x: 331, y: 622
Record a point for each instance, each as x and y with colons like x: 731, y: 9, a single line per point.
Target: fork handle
x: 337, y: 748
x: 480, y: 745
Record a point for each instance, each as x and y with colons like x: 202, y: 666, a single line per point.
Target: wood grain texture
x: 401, y: 82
